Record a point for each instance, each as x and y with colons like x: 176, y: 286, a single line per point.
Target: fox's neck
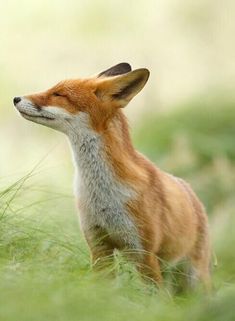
x: 102, y: 194
x: 98, y: 156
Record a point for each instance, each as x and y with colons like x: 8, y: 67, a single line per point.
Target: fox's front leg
x: 148, y: 266
x: 101, y: 257
x: 101, y: 248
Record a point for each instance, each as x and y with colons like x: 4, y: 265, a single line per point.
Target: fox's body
x: 125, y: 202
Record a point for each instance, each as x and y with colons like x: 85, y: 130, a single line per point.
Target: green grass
x: 45, y: 270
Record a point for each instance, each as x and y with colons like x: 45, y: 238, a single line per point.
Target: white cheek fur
x: 57, y: 111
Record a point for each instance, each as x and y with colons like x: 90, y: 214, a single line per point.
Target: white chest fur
x: 102, y: 195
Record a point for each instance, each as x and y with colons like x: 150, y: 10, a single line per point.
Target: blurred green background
x: 184, y: 120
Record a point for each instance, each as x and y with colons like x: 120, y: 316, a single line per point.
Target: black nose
x: 16, y: 100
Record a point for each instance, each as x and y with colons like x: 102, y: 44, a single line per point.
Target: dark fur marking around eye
x: 57, y: 94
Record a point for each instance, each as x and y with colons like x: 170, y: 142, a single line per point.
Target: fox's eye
x: 58, y: 95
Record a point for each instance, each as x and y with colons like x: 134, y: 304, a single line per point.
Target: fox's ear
x: 121, y: 89
x: 119, y: 69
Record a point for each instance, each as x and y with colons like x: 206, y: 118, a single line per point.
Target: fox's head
x: 97, y: 98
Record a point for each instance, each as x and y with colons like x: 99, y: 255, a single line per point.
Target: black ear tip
x: 116, y: 70
x: 125, y: 66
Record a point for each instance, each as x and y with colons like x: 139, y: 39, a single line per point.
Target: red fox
x: 125, y: 202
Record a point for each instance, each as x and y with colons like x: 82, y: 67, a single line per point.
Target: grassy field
x: 44, y: 262
x: 45, y: 270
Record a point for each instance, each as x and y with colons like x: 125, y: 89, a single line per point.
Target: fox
x: 125, y: 202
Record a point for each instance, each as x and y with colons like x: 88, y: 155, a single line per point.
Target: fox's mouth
x: 36, y: 116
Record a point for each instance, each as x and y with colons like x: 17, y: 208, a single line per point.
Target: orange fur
x: 170, y: 219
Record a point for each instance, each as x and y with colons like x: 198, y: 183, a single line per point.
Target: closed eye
x: 56, y: 94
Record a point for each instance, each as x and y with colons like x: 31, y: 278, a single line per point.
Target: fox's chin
x: 27, y: 116
x: 38, y: 119
x: 49, y: 122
